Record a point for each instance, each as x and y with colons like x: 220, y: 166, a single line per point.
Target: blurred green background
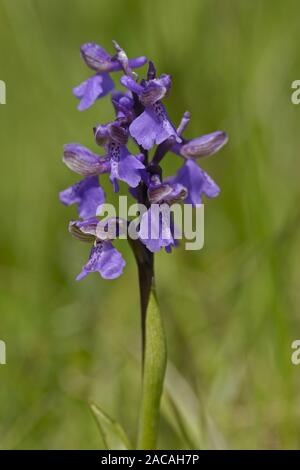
x: 231, y: 311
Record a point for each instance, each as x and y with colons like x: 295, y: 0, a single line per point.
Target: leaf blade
x: 112, y: 433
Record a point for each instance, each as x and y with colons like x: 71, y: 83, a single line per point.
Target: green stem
x: 146, y: 283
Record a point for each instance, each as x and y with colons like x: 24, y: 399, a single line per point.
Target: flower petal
x: 137, y: 62
x: 152, y: 127
x: 105, y: 259
x: 197, y: 182
x: 157, y: 228
x: 131, y: 84
x: 126, y: 167
x: 93, y: 89
x: 87, y: 193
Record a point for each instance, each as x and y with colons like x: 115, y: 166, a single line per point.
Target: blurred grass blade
x: 113, y: 435
x: 180, y: 407
x: 188, y: 415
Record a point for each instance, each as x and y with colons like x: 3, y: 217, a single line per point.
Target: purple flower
x: 100, y: 84
x: 104, y: 258
x: 140, y: 115
x: 196, y: 181
x: 123, y: 165
x: 87, y: 193
x: 153, y: 125
x: 157, y: 229
x: 149, y: 91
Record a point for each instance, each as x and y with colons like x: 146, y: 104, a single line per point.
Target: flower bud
x: 84, y: 231
x: 151, y: 74
x: 179, y: 193
x: 155, y: 90
x: 84, y: 162
x: 118, y: 134
x: 204, y: 146
x: 165, y: 192
x: 101, y: 134
x: 95, y: 57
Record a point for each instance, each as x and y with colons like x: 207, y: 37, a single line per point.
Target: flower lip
x: 105, y: 259
x: 205, y: 145
x: 84, y: 162
x: 92, y: 89
x: 153, y: 126
x: 87, y: 194
x: 197, y: 182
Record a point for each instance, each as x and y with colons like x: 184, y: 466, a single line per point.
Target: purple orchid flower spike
x: 123, y: 165
x: 157, y: 229
x: 140, y: 115
x: 101, y: 83
x: 104, y: 258
x: 153, y: 125
x: 87, y: 194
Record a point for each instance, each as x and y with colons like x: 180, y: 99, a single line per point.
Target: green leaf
x: 153, y: 375
x: 113, y: 435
